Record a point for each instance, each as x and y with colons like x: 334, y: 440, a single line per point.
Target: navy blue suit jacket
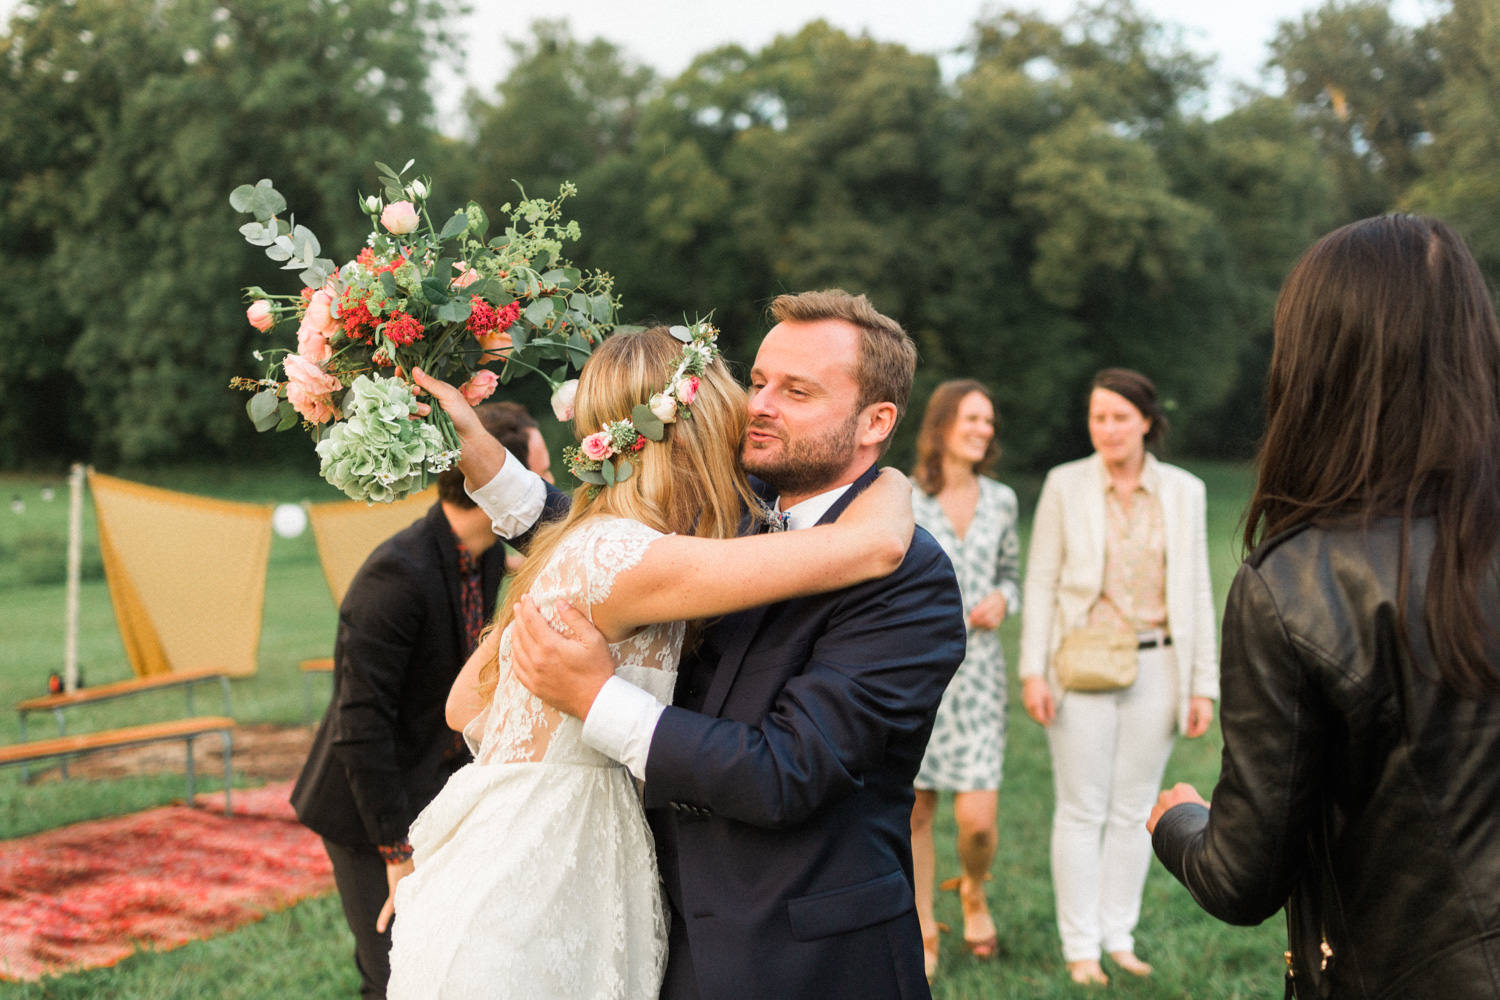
x: 779, y: 785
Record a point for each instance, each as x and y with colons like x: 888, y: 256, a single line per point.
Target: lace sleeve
x: 605, y: 551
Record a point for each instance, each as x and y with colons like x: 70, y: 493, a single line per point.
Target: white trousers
x: 1109, y: 751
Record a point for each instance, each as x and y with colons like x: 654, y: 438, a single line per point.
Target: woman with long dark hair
x: 974, y: 519
x: 1361, y: 671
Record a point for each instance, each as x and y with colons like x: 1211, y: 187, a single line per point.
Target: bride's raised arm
x: 684, y: 577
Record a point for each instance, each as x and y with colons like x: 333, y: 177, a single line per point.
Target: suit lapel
x: 740, y: 628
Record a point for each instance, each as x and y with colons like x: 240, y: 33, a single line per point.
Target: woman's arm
x: 464, y: 702
x: 1240, y: 859
x: 682, y: 577
x: 1005, y: 599
x: 1043, y: 569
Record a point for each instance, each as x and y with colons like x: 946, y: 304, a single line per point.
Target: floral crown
x: 602, y: 458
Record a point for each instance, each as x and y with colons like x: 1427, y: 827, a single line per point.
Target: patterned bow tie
x: 777, y: 520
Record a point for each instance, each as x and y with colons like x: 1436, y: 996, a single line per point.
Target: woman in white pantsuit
x: 1119, y: 540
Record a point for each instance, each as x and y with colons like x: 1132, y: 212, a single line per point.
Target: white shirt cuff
x: 513, y: 499
x: 621, y: 723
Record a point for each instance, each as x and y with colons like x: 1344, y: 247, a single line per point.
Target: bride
x: 535, y: 873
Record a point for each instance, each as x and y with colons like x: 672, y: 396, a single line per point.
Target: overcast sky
x: 667, y: 34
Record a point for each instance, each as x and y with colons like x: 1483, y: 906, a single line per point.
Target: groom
x: 779, y: 783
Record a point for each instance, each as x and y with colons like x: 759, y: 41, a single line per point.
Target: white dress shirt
x: 623, y: 717
x: 513, y: 499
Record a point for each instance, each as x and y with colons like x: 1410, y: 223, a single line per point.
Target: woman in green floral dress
x: 974, y: 519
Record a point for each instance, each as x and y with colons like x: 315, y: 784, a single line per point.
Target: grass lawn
x: 304, y: 951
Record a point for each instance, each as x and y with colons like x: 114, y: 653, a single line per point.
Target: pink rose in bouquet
x: 309, y: 389
x: 399, y: 217
x: 597, y: 446
x: 480, y: 387
x: 260, y: 315
x: 467, y: 275
x: 562, y: 400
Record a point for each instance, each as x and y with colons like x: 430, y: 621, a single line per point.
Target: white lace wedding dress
x: 535, y: 871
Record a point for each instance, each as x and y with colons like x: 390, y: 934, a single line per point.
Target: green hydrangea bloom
x: 378, y: 453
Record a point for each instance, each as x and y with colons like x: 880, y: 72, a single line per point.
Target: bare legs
x: 974, y: 813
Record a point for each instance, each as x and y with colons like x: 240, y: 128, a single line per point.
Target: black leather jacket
x: 1354, y: 789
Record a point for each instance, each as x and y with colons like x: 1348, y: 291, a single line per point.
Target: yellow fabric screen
x: 187, y: 575
x: 346, y: 532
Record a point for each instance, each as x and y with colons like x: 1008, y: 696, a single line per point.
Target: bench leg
x: 228, y: 767
x: 190, y: 784
x: 25, y: 768
x: 224, y: 685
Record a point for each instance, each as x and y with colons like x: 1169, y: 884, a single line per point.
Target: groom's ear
x: 876, y: 423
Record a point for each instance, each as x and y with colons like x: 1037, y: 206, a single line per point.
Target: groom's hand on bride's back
x: 565, y: 671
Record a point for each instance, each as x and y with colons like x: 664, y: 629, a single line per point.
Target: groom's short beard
x: 807, y: 465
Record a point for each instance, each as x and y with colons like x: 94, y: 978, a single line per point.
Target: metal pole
x: 75, y: 561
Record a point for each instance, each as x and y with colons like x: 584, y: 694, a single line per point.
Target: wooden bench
x: 66, y: 747
x: 318, y: 665
x: 56, y: 703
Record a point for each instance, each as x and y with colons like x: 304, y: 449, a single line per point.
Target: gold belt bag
x: 1096, y: 658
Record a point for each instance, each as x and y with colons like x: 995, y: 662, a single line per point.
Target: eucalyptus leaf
x: 682, y: 333
x: 262, y: 410
x: 648, y: 423
x: 262, y: 200
x: 288, y: 414
x: 456, y: 224
x: 259, y: 234
x: 316, y: 274
x: 278, y: 252
x: 624, y: 471
x: 607, y: 470
x: 591, y: 477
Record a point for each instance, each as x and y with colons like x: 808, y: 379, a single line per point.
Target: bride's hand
x: 482, y: 454
x: 880, y: 519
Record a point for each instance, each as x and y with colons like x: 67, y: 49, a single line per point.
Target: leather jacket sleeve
x: 1240, y: 859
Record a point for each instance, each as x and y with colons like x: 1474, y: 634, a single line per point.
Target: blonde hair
x: 689, y: 483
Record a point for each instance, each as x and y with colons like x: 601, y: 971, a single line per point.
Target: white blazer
x: 1065, y: 572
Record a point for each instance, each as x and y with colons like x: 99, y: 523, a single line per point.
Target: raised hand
x: 482, y: 454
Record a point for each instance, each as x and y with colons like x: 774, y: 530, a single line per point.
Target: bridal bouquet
x: 445, y: 297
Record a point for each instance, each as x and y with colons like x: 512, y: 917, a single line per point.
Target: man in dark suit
x: 779, y: 784
x: 410, y: 618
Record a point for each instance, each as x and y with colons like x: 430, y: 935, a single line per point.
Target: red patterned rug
x: 92, y: 893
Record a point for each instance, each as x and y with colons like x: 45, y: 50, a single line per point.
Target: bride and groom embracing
x: 775, y: 735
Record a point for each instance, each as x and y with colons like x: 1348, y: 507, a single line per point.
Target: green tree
x: 565, y: 106
x: 1460, y: 182
x: 124, y: 128
x: 1362, y: 82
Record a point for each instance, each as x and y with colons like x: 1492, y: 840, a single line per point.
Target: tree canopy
x: 1053, y: 200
